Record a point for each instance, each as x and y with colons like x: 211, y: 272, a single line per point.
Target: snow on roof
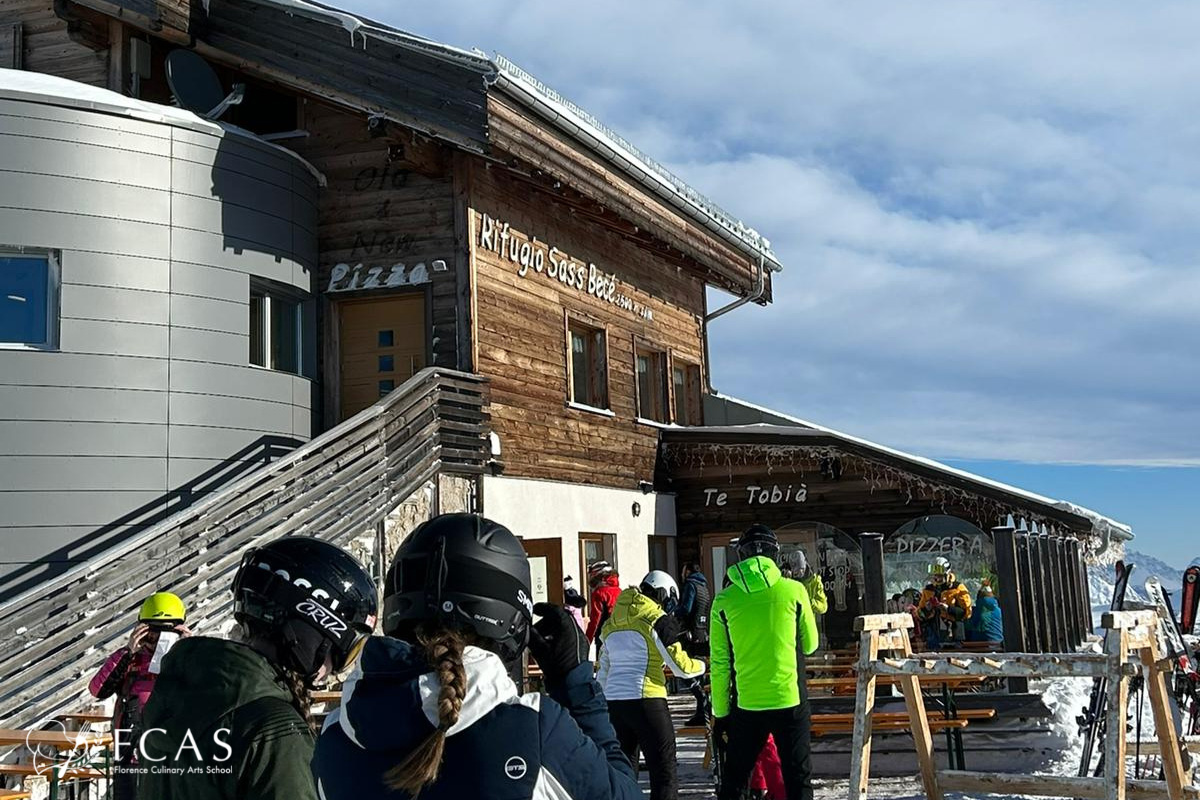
x: 1102, y: 526
x: 582, y: 126
x: 53, y: 90
x: 362, y: 27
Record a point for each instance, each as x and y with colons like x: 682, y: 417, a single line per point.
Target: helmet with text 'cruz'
x: 464, y: 572
x: 310, y: 599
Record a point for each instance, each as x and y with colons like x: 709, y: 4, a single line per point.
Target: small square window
x: 387, y: 364
x: 387, y: 338
x: 386, y: 386
x: 587, y: 364
x: 28, y: 299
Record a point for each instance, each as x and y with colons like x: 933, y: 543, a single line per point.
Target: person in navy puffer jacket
x: 430, y: 709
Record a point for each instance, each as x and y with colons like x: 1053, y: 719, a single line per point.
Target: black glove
x: 556, y: 642
x: 720, y: 730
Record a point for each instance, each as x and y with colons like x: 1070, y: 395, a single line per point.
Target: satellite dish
x: 195, y: 86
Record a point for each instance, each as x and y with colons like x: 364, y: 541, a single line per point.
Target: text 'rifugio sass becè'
x: 530, y: 255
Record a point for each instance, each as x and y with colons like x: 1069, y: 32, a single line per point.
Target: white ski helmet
x: 659, y: 587
x: 940, y: 566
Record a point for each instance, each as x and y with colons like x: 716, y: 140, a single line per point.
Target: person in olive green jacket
x: 229, y: 720
x: 762, y: 627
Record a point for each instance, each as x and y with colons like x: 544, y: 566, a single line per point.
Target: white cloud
x: 987, y: 211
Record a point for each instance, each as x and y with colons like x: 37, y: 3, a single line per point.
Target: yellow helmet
x: 163, y: 607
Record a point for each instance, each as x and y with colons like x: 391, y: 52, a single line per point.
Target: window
x: 587, y: 363
x: 276, y: 328
x: 595, y: 547
x: 651, y: 384
x: 29, y: 298
x: 686, y: 380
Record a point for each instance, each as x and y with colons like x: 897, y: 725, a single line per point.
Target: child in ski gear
x: 431, y: 709
x: 639, y: 639
x: 306, y: 607
x: 605, y: 584
x: 573, y: 601
x: 127, y: 674
x: 944, y: 606
x: 695, y: 603
x: 762, y: 627
x: 813, y: 583
x: 986, y: 623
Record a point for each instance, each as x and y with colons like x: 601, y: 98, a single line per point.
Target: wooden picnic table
x: 14, y: 794
x: 57, y: 739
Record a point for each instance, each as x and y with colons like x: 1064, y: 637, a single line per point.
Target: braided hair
x: 444, y: 649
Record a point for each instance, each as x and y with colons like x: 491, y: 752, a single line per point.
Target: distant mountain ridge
x: 1102, y: 578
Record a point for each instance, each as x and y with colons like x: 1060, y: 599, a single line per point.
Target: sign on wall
x: 530, y: 256
x: 345, y: 278
x: 775, y: 494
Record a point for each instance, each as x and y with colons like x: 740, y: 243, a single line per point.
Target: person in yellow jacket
x: 944, y: 607
x: 800, y: 570
x: 640, y: 638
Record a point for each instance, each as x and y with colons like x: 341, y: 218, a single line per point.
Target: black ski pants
x: 792, y: 728
x: 646, y: 724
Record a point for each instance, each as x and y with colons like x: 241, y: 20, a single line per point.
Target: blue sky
x: 987, y: 215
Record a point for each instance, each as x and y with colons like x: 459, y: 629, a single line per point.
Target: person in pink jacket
x: 129, y: 673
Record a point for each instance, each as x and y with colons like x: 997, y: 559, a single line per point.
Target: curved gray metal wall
x: 149, y: 400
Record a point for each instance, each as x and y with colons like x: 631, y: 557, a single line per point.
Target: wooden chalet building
x: 433, y: 207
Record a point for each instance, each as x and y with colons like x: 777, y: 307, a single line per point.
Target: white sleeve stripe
x: 549, y: 788
x: 679, y: 671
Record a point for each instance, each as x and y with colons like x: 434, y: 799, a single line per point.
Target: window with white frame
x: 587, y: 361
x: 276, y: 328
x: 29, y: 289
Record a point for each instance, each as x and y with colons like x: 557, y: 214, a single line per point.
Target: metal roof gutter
x: 585, y: 129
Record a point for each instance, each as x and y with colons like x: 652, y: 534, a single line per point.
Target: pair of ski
x: 1187, y: 679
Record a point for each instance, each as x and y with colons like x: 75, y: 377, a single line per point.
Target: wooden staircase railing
x: 336, y: 487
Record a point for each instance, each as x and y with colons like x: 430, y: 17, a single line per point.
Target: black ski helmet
x: 758, y: 540
x: 309, y: 598
x: 466, y: 572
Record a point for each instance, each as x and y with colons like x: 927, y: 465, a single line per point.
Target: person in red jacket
x: 130, y: 672
x: 606, y: 585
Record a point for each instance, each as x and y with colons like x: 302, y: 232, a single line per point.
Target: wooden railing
x: 336, y: 487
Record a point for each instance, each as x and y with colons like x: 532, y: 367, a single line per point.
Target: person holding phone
x: 130, y: 673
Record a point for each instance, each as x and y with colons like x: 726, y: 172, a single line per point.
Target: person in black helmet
x: 230, y: 719
x: 431, y: 711
x: 762, y: 628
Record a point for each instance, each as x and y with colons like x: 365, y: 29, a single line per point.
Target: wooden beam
x: 1048, y: 785
x: 860, y: 749
x: 1164, y: 725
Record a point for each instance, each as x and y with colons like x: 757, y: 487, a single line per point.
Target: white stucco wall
x: 534, y: 509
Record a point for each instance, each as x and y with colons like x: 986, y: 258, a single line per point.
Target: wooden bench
x: 880, y: 720
x: 15, y: 794
x: 889, y: 726
x: 29, y: 771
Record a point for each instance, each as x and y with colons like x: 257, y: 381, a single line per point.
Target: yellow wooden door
x: 383, y: 343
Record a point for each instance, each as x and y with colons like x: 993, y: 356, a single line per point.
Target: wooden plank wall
x: 531, y: 140
x: 48, y: 46
x: 521, y: 331
x: 389, y: 200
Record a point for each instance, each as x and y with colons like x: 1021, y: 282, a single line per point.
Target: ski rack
x: 1132, y: 643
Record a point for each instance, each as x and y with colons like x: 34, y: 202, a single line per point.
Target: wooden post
x: 864, y: 707
x: 1060, y: 590
x: 1118, y: 696
x: 1164, y: 724
x: 1009, y: 596
x: 1049, y: 600
x: 1070, y: 580
x: 1040, y: 596
x: 1025, y: 577
x: 910, y: 686
x: 873, y: 580
x: 1085, y: 593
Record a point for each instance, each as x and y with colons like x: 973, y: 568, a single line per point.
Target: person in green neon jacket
x: 762, y: 626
